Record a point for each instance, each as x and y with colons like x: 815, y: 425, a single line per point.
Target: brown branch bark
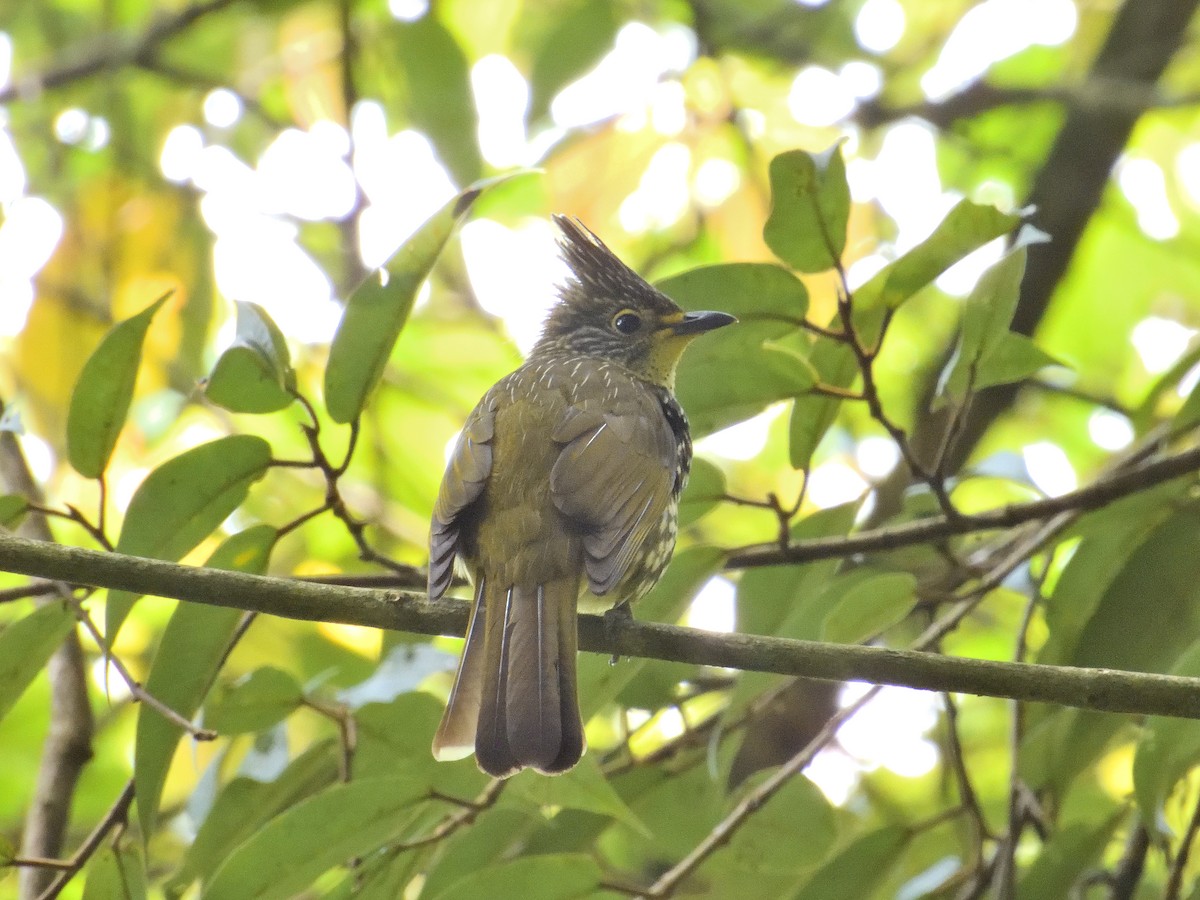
x: 934, y: 528
x: 1100, y: 689
x: 68, y: 745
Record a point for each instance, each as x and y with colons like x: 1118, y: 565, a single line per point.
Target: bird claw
x: 617, y: 616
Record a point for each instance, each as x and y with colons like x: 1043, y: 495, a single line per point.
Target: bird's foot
x: 614, y: 618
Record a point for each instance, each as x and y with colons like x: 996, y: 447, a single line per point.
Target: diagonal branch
x: 1093, y: 496
x: 111, y: 52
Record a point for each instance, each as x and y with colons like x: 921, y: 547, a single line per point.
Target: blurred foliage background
x: 276, y: 152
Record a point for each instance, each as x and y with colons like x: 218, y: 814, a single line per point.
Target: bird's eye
x: 627, y: 321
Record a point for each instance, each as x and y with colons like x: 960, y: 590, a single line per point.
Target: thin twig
x: 969, y: 800
x: 1179, y: 863
x: 1118, y: 484
x: 1005, y: 867
x: 135, y: 686
x: 343, y: 717
x: 115, y: 816
x: 37, y: 588
x: 466, y: 814
x: 673, y: 878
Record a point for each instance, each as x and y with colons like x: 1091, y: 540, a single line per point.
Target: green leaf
x: 1068, y: 855
x: 793, y: 831
x: 476, y: 848
x: 813, y: 414
x: 115, y: 874
x: 551, y: 876
x: 183, y: 501
x: 1161, y: 567
x: 588, y: 29
x: 1168, y: 748
x: 397, y: 734
x: 27, y: 645
x: 986, y: 318
x: 965, y: 229
x: 376, y: 312
x: 12, y: 510
x: 584, y: 787
x: 100, y: 401
x: 245, y: 804
x: 870, y: 606
x: 8, y: 851
x: 705, y: 488
x: 810, y: 206
x: 860, y: 868
x: 437, y: 92
x: 342, y: 822
x: 185, y: 665
x: 254, y: 375
x: 730, y: 375
x: 254, y: 703
x: 1014, y: 359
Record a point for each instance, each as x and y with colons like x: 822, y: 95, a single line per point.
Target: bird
x: 564, y: 482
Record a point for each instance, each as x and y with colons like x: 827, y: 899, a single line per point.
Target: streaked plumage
x: 566, y: 479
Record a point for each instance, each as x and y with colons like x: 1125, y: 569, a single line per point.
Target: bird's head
x: 607, y: 310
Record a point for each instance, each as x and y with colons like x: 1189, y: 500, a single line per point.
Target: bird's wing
x: 466, y: 473
x: 614, y: 477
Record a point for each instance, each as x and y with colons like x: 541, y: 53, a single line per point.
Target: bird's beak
x: 699, y: 322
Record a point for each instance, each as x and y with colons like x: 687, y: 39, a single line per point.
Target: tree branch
x: 1093, y: 496
x: 68, y: 744
x: 111, y: 52
x: 1100, y: 689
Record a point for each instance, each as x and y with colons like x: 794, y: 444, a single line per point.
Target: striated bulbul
x: 565, y: 480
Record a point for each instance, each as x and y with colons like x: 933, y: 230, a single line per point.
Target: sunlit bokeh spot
x: 662, y: 196
x: 992, y: 31
x: 1160, y: 342
x: 408, y: 10
x: 1187, y: 173
x: 301, y: 174
x: 222, y: 108
x: 181, y: 153
x: 819, y: 97
x: 960, y: 278
x: 1049, y: 468
x: 501, y: 98
x: 402, y: 179
x: 890, y: 730
x: 877, y: 456
x: 514, y: 273
x: 1145, y: 187
x: 40, y: 456
x: 861, y: 78
x: 835, y: 773
x: 625, y: 78
x: 12, y: 170
x: 71, y: 125
x: 879, y: 25
x: 98, y: 133
x: 6, y: 58
x: 1110, y: 430
x: 742, y: 440
x: 834, y: 483
x: 29, y: 234
x: 713, y: 608
x: 715, y: 181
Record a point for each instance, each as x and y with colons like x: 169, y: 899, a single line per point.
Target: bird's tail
x: 514, y: 698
